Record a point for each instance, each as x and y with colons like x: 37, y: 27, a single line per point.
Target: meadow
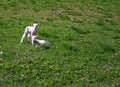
x: 85, y: 49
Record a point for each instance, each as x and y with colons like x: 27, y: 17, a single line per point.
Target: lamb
x: 36, y: 42
x: 29, y: 31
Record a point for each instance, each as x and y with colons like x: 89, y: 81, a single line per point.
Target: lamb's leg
x: 29, y: 37
x: 23, y: 36
x: 32, y: 42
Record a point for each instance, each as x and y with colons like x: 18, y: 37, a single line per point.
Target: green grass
x: 85, y: 49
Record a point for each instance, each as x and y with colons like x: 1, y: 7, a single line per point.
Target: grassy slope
x: 85, y: 39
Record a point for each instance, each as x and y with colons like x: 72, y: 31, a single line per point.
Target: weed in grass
x: 108, y: 48
x: 79, y: 31
x: 64, y: 17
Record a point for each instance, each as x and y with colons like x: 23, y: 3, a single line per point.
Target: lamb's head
x: 35, y: 24
x: 33, y: 37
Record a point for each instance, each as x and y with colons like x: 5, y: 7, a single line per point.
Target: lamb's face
x: 34, y: 37
x: 35, y: 24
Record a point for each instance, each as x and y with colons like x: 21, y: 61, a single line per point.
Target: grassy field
x: 85, y: 37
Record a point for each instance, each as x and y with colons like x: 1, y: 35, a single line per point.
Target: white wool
x: 29, y: 31
x: 37, y: 42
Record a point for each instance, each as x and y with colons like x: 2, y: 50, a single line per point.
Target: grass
x: 85, y: 37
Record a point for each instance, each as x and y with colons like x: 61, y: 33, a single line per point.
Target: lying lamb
x: 37, y: 42
x: 29, y: 31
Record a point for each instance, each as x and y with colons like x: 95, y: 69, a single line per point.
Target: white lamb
x: 29, y: 31
x: 37, y: 42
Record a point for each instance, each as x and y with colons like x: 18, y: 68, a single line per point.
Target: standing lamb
x: 30, y: 31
